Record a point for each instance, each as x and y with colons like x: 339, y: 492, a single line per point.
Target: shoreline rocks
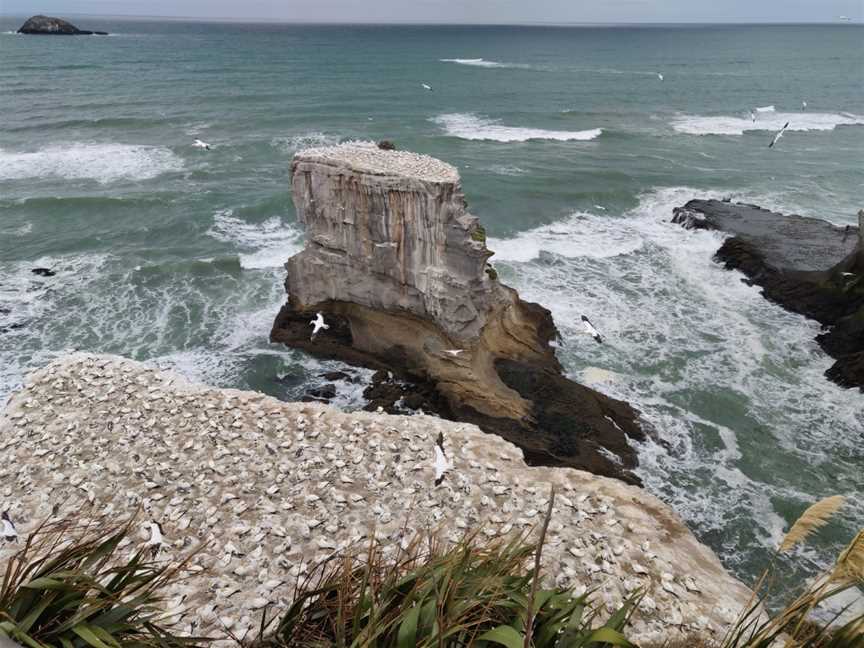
x: 399, y: 270
x: 806, y: 265
x: 262, y: 489
x: 50, y: 26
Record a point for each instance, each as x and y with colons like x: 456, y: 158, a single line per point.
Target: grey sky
x: 473, y: 11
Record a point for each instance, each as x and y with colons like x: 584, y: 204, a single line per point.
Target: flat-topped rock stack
x: 807, y: 265
x: 264, y: 489
x: 50, y: 26
x: 399, y: 269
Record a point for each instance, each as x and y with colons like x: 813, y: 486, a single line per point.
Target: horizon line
x: 289, y: 21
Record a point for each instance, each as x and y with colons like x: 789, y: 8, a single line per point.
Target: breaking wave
x: 263, y: 245
x: 472, y: 127
x: 479, y: 62
x: 767, y: 119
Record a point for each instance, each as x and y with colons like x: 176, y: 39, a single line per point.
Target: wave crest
x: 479, y: 62
x: 766, y: 120
x: 472, y: 127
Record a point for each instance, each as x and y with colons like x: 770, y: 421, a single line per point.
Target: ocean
x: 572, y: 151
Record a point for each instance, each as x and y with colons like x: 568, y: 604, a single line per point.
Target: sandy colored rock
x: 271, y: 487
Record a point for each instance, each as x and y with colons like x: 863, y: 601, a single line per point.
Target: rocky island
x: 48, y: 25
x: 806, y: 265
x: 399, y: 270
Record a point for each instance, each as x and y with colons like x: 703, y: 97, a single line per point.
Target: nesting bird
x: 157, y: 540
x: 8, y: 531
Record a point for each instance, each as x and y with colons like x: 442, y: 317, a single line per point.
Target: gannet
x: 803, y: 105
x: 778, y: 135
x: 199, y: 144
x: 442, y: 465
x: 590, y: 330
x: 319, y: 324
x: 426, y: 86
x: 156, y: 538
x: 8, y: 532
x: 454, y: 352
x: 753, y: 116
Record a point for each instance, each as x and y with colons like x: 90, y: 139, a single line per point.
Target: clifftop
x: 366, y: 157
x: 266, y: 489
x: 398, y: 268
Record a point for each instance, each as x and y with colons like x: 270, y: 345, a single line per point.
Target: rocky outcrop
x: 399, y: 270
x: 259, y: 490
x: 54, y: 27
x: 806, y: 265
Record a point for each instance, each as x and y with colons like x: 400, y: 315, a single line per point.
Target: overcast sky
x: 470, y: 11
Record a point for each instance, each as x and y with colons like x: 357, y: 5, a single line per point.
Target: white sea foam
x: 472, y: 127
x: 479, y: 62
x: 765, y: 121
x: 101, y: 162
x: 262, y: 245
x: 580, y: 235
x: 703, y: 356
x: 765, y: 109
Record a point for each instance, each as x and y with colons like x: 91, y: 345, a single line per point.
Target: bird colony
x: 263, y: 489
x: 366, y: 157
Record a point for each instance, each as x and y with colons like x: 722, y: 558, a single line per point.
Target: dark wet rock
x: 397, y: 266
x: 386, y: 145
x: 43, y: 272
x: 806, y: 265
x: 333, y: 376
x: 322, y: 394
x: 48, y: 25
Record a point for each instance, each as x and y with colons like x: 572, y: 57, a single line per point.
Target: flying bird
x: 589, y: 329
x: 803, y: 105
x: 454, y: 352
x: 9, y: 532
x: 442, y: 464
x: 319, y: 324
x: 753, y: 116
x: 202, y: 145
x: 778, y: 135
x: 426, y: 86
x: 659, y: 76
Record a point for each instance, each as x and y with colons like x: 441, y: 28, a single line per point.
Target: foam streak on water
x: 766, y: 120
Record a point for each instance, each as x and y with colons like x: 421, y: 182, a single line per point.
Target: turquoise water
x: 572, y: 151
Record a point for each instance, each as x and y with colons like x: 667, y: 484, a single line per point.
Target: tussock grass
x: 69, y: 587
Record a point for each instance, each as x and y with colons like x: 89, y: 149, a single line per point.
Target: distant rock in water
x: 807, y: 265
x: 386, y: 145
x: 398, y: 268
x: 54, y: 26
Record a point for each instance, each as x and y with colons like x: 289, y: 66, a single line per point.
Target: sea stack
x: 399, y: 269
x: 806, y: 265
x: 51, y: 26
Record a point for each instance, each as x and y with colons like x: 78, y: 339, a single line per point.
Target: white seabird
x: 426, y: 86
x: 319, y: 324
x: 156, y: 540
x: 590, y: 330
x: 8, y: 532
x: 659, y: 76
x: 454, y: 352
x: 778, y: 135
x: 442, y: 464
x: 202, y: 145
x: 803, y: 105
x: 753, y: 116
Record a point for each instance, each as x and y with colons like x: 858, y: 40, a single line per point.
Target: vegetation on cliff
x: 68, y: 587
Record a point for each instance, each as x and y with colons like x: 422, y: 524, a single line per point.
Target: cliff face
x: 805, y: 265
x: 260, y: 490
x: 389, y: 230
x: 398, y: 268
